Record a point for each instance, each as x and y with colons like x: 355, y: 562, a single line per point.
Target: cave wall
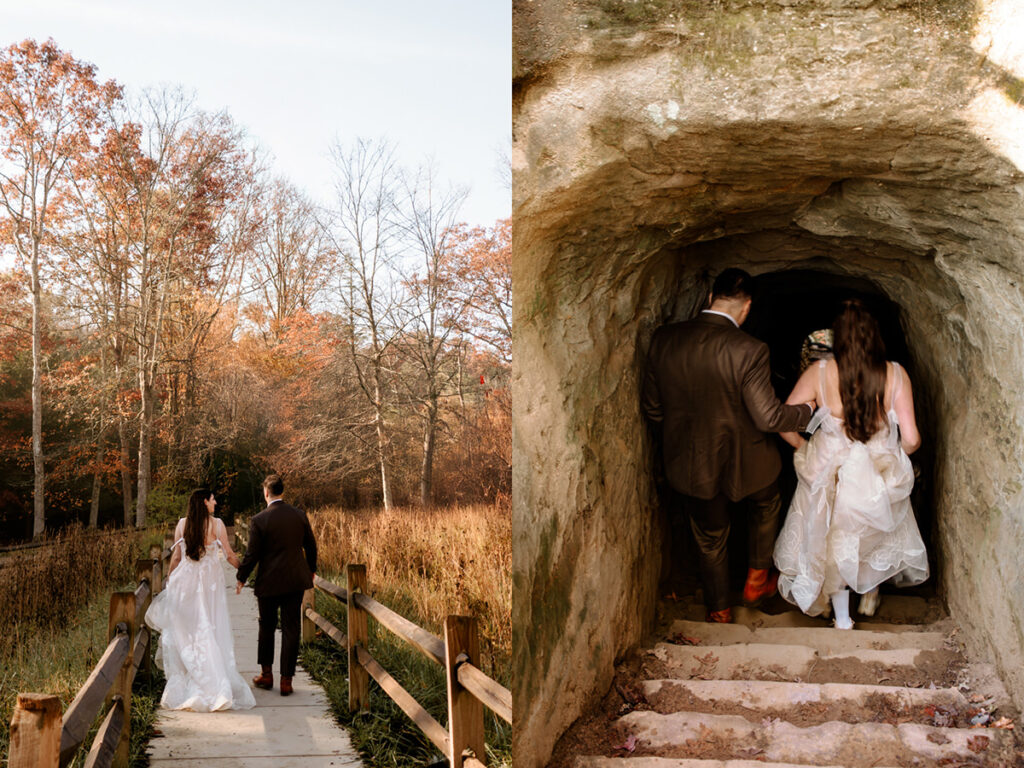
x: 657, y: 141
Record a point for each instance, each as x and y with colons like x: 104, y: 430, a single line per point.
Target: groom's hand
x: 238, y: 587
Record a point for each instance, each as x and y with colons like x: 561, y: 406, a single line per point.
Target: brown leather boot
x: 286, y: 686
x: 264, y: 680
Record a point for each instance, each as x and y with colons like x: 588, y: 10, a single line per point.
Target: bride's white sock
x: 841, y: 607
x: 869, y: 602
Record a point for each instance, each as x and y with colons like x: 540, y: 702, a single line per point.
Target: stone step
x: 857, y: 745
x: 673, y: 762
x: 800, y: 663
x: 823, y: 639
x: 897, y: 613
x: 809, y: 703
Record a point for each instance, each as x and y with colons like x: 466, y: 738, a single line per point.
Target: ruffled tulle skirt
x: 196, y: 649
x: 850, y: 523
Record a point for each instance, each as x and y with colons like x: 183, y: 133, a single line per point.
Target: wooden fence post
x: 465, y: 711
x: 122, y: 611
x: 358, y: 633
x: 35, y: 732
x: 144, y: 569
x: 155, y: 555
x: 308, y: 627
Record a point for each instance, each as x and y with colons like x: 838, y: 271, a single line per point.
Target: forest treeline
x: 173, y: 314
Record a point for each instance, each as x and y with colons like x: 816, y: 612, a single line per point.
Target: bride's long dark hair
x: 860, y: 357
x: 195, y: 523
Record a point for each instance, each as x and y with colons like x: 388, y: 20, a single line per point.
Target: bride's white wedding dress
x: 196, y: 649
x: 850, y: 523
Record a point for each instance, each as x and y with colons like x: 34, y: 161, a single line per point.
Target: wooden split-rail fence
x: 469, y: 689
x: 43, y: 737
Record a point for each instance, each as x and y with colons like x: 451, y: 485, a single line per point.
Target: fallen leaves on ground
x: 938, y: 738
x: 1003, y: 722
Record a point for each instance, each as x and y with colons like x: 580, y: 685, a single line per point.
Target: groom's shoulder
x: 283, y: 509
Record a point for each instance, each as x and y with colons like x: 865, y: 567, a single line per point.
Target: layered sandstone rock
x: 656, y: 142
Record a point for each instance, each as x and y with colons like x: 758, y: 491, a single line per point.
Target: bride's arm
x: 910, y: 438
x: 805, y: 391
x: 222, y: 536
x: 179, y: 531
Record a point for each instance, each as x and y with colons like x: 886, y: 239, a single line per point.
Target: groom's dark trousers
x: 708, y: 387
x: 281, y: 543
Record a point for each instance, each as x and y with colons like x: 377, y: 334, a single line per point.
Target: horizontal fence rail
x: 41, y: 737
x: 469, y: 689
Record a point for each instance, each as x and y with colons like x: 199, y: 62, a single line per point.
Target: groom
x: 708, y: 384
x: 281, y: 543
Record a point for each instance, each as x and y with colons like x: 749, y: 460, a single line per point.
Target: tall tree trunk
x: 382, y: 448
x: 97, y: 482
x: 145, y: 433
x: 38, y: 516
x: 427, y: 465
x: 126, y: 470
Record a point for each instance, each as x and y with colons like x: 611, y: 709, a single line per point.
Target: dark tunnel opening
x: 788, y: 306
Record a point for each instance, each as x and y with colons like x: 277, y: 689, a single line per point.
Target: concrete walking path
x: 297, y: 730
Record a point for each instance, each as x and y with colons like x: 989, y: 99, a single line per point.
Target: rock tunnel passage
x: 876, y: 141
x: 790, y: 304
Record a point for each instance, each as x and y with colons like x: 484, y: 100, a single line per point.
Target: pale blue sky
x: 433, y: 77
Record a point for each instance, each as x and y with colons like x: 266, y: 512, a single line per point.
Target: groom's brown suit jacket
x: 709, y: 384
x: 281, y: 543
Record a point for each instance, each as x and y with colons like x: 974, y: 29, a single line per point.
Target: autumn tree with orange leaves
x: 189, y: 320
x: 49, y: 105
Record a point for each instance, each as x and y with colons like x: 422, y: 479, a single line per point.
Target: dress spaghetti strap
x: 897, y: 384
x: 821, y: 383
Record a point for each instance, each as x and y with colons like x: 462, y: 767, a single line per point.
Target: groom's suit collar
x: 717, y: 318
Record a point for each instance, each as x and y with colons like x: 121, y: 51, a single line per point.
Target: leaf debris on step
x: 977, y: 744
x: 937, y: 737
x: 630, y: 694
x: 680, y: 639
x: 629, y: 745
x: 705, y: 668
x: 980, y: 719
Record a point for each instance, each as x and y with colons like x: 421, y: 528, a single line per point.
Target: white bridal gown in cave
x: 850, y: 523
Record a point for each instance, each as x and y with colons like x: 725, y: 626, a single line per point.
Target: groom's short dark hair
x: 273, y: 484
x: 732, y: 283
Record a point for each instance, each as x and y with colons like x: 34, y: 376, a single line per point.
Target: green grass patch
x: 385, y: 736
x: 54, y: 609
x: 58, y: 660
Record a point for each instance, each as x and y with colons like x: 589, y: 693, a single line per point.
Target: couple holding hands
x: 197, y: 649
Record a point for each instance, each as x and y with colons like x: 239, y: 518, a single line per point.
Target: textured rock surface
x: 654, y: 145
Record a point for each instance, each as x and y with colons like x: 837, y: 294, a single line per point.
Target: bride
x: 196, y: 650
x: 850, y: 524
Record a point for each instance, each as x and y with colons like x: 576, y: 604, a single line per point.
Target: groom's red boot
x: 265, y: 680
x: 761, y: 583
x: 286, y: 686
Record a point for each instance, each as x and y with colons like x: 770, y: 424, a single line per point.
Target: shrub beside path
x: 298, y: 730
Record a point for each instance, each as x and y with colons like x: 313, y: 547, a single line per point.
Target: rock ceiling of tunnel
x: 883, y: 126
